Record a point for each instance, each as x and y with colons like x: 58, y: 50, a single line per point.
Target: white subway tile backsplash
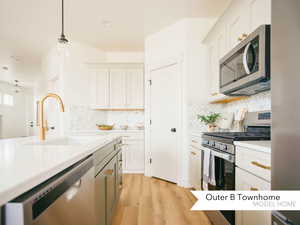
x: 257, y: 102
x: 84, y: 118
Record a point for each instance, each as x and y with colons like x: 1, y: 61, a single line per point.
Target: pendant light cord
x: 62, y: 20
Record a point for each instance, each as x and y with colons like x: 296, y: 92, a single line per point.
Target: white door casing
x: 165, y: 113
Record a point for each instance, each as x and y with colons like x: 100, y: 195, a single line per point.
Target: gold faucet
x: 42, y: 123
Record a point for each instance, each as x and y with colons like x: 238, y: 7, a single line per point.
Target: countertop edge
x: 253, y: 146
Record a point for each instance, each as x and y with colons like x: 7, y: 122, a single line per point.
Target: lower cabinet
x: 246, y: 181
x: 133, y: 154
x: 195, y: 162
x: 108, y: 184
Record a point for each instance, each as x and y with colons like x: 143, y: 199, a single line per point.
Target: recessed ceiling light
x: 106, y: 23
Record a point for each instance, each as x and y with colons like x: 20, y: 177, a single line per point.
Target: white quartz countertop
x: 24, y: 166
x: 114, y: 131
x: 263, y: 146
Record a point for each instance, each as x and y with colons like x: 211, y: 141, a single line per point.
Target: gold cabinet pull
x: 109, y: 172
x: 194, y: 141
x: 253, y: 189
x: 193, y: 153
x: 260, y: 165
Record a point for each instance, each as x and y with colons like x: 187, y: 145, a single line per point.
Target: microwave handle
x: 245, y: 58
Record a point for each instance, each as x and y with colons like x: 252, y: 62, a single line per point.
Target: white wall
x: 74, y: 84
x: 180, y: 40
x: 15, y: 119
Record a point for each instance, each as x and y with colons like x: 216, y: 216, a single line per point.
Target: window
x: 8, y: 100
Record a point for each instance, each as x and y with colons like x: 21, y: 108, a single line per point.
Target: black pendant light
x: 62, y: 39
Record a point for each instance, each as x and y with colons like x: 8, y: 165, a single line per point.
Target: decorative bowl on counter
x: 105, y: 126
x: 124, y: 127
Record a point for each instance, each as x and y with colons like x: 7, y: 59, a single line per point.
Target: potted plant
x: 210, y: 120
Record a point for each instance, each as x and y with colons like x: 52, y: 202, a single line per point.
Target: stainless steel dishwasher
x: 65, y: 199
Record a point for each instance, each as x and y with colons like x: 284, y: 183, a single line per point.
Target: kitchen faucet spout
x: 42, y: 123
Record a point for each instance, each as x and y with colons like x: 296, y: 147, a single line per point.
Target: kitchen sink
x: 82, y: 140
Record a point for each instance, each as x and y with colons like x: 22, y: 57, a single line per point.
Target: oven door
x: 224, y: 168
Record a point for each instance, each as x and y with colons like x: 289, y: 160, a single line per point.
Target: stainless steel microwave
x: 245, y: 70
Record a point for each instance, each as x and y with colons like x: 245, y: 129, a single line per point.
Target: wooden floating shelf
x: 229, y: 99
x: 118, y: 109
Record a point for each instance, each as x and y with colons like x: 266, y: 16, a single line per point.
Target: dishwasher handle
x: 27, y: 207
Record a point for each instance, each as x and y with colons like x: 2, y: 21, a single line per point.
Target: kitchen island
x: 26, y: 162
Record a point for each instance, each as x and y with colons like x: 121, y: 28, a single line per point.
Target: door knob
x: 173, y: 130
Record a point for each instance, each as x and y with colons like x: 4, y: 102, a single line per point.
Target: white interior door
x: 165, y: 113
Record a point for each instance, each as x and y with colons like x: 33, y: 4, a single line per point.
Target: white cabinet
x: 217, y: 50
x: 247, y: 181
x: 240, y: 19
x: 133, y: 153
x: 238, y: 28
x: 252, y: 174
x: 195, y: 162
x: 99, y: 88
x: 214, y: 70
x: 259, y: 13
x: 117, y: 88
x: 195, y: 171
x: 135, y: 88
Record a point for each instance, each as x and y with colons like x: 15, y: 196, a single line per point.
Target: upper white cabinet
x: 116, y: 86
x: 240, y: 19
x: 135, y: 88
x: 238, y: 28
x: 99, y: 87
x: 260, y: 13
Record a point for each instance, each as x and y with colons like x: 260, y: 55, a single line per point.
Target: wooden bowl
x: 105, y: 127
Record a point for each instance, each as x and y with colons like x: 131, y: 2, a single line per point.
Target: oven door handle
x: 225, y: 156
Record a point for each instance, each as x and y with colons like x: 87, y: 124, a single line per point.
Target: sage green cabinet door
x: 100, y: 195
x: 110, y: 171
x: 119, y: 181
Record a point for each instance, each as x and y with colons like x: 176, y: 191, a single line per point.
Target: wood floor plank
x: 150, y: 201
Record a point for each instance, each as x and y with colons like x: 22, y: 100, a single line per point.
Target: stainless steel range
x: 220, y: 146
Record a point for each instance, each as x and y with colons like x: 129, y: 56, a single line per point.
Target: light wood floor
x: 150, y: 201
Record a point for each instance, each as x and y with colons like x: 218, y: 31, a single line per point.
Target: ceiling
x: 29, y: 28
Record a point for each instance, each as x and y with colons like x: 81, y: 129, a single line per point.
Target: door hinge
x: 150, y: 122
x: 150, y: 160
x: 150, y: 82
